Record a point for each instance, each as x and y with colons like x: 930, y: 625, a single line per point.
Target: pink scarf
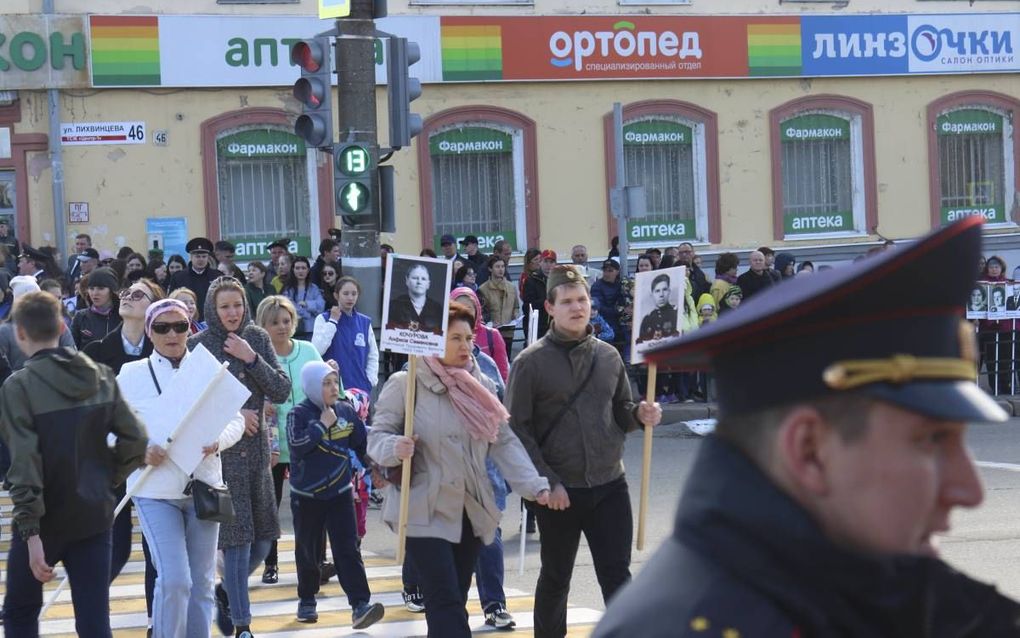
x: 479, y: 409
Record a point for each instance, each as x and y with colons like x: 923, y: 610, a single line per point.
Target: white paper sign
x: 94, y: 133
x: 658, y: 304
x: 194, y: 408
x: 997, y: 301
x: 415, y: 305
x: 977, y: 307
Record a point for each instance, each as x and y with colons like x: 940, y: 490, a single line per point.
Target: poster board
x: 198, y: 388
x: 415, y: 305
x: 997, y: 294
x: 977, y: 304
x: 658, y: 304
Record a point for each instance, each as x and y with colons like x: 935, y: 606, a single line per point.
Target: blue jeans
x: 489, y: 574
x: 87, y: 562
x: 183, y: 550
x: 239, y: 562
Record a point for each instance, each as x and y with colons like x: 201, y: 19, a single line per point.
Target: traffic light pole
x: 355, y: 65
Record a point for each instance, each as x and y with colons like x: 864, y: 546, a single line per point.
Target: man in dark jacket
x: 55, y: 416
x: 476, y: 258
x: 8, y: 239
x: 198, y: 275
x: 329, y: 253
x: 570, y: 404
x: 757, y: 277
x: 535, y: 292
x: 699, y: 282
x: 813, y: 508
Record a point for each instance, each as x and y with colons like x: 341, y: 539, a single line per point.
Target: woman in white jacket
x: 183, y: 547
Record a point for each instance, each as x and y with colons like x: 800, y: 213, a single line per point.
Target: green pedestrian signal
x: 353, y: 198
x: 354, y: 168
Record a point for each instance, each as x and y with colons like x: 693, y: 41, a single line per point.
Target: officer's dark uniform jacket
x: 197, y: 282
x: 659, y: 323
x: 745, y: 561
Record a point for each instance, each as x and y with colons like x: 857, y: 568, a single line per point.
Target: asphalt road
x: 984, y: 542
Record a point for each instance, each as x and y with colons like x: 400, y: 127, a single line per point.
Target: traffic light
x: 354, y: 179
x: 402, y: 89
x: 315, y: 91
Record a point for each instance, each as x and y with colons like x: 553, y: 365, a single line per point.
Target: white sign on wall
x: 92, y: 133
x: 5, y: 143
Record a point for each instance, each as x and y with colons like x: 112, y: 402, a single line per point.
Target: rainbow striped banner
x: 472, y: 52
x: 774, y: 49
x: 125, y: 50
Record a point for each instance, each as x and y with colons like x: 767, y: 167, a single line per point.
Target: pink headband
x: 161, y: 307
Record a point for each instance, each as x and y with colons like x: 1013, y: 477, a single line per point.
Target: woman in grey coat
x: 232, y: 338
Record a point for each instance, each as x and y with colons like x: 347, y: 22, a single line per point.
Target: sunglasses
x: 133, y: 295
x: 180, y: 327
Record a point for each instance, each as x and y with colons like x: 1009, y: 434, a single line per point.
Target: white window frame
x: 700, y: 177
x: 517, y: 163
x: 311, y: 175
x: 1009, y: 193
x: 858, y: 201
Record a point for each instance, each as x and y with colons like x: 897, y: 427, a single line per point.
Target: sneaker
x: 306, y: 612
x: 223, y: 622
x: 271, y: 576
x: 414, y: 603
x: 326, y: 573
x: 500, y: 618
x: 366, y: 615
x: 244, y: 632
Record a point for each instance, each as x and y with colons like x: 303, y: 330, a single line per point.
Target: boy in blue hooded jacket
x: 322, y: 432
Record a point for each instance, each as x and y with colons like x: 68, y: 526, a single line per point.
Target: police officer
x: 814, y: 508
x: 198, y: 275
x: 660, y: 322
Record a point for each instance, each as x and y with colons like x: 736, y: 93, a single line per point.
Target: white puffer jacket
x: 167, y: 481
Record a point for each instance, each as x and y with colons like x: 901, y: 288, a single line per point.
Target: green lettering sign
x: 969, y: 122
x: 994, y: 214
x: 813, y: 127
x: 261, y: 143
x: 470, y: 139
x: 814, y: 223
x: 648, y: 132
x: 255, y: 247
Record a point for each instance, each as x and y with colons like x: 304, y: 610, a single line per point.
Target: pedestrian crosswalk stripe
x: 274, y: 606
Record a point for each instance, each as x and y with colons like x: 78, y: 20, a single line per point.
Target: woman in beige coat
x: 458, y: 422
x: 500, y: 299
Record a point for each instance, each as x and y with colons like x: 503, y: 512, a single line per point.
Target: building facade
x: 798, y: 124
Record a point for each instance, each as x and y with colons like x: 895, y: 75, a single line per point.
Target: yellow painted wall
x: 126, y: 184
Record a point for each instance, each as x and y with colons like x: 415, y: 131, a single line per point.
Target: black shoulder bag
x: 570, y: 403
x: 211, y: 503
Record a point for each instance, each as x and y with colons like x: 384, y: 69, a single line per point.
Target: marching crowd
x: 547, y: 422
x: 88, y: 349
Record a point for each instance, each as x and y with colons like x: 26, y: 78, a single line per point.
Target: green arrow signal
x: 353, y: 198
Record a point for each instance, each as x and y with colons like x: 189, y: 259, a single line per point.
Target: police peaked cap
x: 890, y: 327
x: 199, y: 244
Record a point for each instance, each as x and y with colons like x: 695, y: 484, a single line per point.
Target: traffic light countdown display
x: 353, y: 178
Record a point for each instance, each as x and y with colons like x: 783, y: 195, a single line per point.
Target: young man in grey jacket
x: 570, y: 404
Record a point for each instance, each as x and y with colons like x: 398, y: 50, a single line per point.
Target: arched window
x: 972, y: 157
x: 670, y: 148
x: 823, y: 163
x: 478, y: 177
x: 262, y: 183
